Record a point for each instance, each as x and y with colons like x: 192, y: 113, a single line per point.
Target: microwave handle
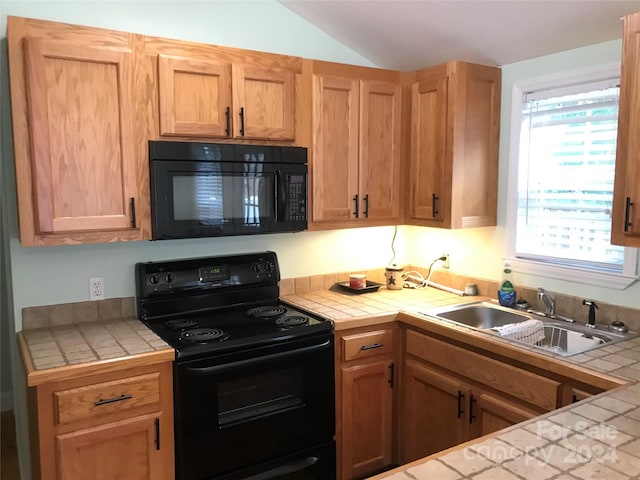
x: 280, y: 194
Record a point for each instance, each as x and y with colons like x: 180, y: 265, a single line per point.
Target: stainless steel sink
x: 483, y: 316
x: 560, y: 337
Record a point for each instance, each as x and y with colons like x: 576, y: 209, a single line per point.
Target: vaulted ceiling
x: 407, y: 35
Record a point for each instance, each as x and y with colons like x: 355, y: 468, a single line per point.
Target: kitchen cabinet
x: 196, y: 99
x: 117, y: 424
x: 455, y: 123
x: 625, y: 215
x: 364, y: 400
x: 80, y: 177
x: 356, y: 150
x: 451, y: 395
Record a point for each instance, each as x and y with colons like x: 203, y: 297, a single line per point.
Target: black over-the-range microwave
x: 215, y: 189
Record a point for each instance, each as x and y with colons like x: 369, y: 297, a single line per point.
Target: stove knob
x: 256, y: 268
x: 154, y: 279
x: 169, y: 277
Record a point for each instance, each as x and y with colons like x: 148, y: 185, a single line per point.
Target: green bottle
x: 507, y: 291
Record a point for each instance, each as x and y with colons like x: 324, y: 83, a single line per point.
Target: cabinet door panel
x: 267, y: 99
x: 125, y: 449
x: 335, y: 148
x: 475, y: 167
x: 195, y: 96
x: 493, y: 414
x: 83, y: 166
x: 434, y: 412
x: 366, y: 418
x: 380, y: 105
x: 625, y: 227
x: 429, y: 99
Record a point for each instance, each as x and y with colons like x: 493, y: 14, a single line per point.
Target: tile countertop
x: 57, y: 351
x: 597, y: 438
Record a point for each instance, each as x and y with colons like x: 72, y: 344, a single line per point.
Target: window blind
x: 565, y: 176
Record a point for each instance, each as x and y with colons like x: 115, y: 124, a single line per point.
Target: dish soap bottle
x: 507, y: 291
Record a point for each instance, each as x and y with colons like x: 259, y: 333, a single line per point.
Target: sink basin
x: 562, y: 338
x: 572, y: 339
x: 482, y: 316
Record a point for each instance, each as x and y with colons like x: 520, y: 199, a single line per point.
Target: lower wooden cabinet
x: 365, y: 400
x: 104, y: 426
x: 451, y: 395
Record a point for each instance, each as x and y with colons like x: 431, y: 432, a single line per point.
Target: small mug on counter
x: 357, y: 280
x: 393, y: 275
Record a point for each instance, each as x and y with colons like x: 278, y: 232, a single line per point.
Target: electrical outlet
x: 445, y: 263
x: 96, y: 288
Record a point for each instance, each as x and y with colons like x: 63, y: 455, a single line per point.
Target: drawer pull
x: 112, y: 400
x: 371, y: 347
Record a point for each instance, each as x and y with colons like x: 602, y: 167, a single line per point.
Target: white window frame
x: 618, y: 281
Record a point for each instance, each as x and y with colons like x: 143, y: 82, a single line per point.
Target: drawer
x: 529, y: 387
x: 368, y: 344
x: 108, y: 397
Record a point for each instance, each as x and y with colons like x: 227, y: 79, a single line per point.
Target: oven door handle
x: 214, y: 369
x: 292, y: 467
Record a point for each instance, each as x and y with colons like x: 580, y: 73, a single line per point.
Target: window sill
x: 571, y: 274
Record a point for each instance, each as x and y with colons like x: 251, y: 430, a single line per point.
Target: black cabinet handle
x: 391, y: 372
x: 372, y: 346
x: 227, y: 113
x: 627, y: 214
x: 242, y: 121
x: 574, y: 399
x: 366, y: 206
x: 356, y: 213
x: 157, y: 434
x: 112, y: 400
x: 132, y: 207
x: 434, y: 210
x: 471, y: 415
x: 460, y: 401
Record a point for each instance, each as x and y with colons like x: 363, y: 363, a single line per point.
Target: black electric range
x: 217, y: 304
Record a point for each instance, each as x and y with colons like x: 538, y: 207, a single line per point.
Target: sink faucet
x: 548, y: 300
x: 592, y: 312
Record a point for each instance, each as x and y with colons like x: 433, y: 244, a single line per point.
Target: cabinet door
x: 366, y: 418
x: 380, y: 106
x: 195, y: 97
x: 335, y: 149
x: 476, y: 126
x: 490, y: 413
x: 79, y: 109
x: 434, y: 412
x: 429, y: 102
x: 625, y: 227
x: 126, y: 449
x: 264, y: 103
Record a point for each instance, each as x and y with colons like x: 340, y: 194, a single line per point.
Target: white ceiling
x: 407, y: 35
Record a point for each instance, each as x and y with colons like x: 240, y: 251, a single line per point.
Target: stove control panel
x: 206, y: 274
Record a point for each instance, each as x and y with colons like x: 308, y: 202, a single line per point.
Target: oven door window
x: 249, y: 398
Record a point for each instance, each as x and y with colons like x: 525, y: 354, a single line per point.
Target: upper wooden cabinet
x: 625, y: 227
x: 356, y: 150
x: 77, y: 164
x: 455, y: 110
x: 207, y: 92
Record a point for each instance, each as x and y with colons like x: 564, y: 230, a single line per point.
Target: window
x: 565, y: 171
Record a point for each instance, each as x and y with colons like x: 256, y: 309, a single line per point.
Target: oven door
x: 256, y: 409
x: 210, y: 199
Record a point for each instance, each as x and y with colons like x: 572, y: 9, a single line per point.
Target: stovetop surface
x: 234, y: 328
